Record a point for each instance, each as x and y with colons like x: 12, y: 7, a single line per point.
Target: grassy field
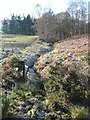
x: 14, y: 43
x: 18, y: 38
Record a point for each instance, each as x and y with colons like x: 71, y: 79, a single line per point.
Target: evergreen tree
x: 18, y: 25
x: 5, y: 27
x: 12, y: 25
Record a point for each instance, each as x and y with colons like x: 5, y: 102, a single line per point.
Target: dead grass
x: 69, y: 51
x: 74, y: 45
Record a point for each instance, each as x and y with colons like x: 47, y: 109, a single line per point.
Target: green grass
x: 18, y: 38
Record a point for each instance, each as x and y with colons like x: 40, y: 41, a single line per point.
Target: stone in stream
x: 32, y: 76
x: 3, y: 55
x: 44, y: 50
x: 31, y: 60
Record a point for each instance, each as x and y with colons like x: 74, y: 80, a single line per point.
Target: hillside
x: 75, y: 44
x: 72, y: 50
x: 55, y: 85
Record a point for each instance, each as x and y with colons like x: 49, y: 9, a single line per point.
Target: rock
x: 3, y: 56
x: 49, y: 48
x: 32, y: 77
x: 44, y: 50
x: 31, y: 70
x: 32, y: 59
x: 41, y: 115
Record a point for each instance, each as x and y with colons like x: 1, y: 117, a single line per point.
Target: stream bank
x: 30, y: 56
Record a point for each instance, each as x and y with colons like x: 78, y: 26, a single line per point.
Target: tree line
x: 18, y: 25
x: 65, y: 24
x: 50, y: 26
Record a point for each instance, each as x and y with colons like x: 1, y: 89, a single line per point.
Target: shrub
x: 64, y: 86
x: 69, y: 79
x: 14, y: 69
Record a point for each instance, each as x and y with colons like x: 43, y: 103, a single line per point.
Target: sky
x: 20, y: 7
x: 7, y: 7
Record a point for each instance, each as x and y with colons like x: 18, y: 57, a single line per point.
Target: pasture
x: 14, y: 43
x: 8, y: 38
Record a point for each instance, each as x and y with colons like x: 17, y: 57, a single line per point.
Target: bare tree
x: 78, y: 12
x: 38, y: 10
x: 46, y: 25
